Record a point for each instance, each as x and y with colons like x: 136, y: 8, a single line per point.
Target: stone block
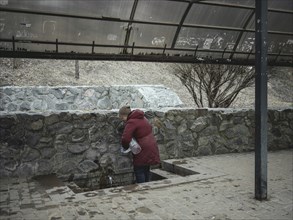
x: 88, y: 166
x: 209, y: 131
x: 58, y: 93
x: 11, y: 165
x: 124, y: 162
x: 26, y: 170
x: 114, y: 148
x: 8, y: 121
x: 108, y: 159
x: 101, y: 147
x: 77, y: 148
x: 60, y: 139
x: 50, y: 100
x: 204, y: 150
x: 70, y: 98
x: 61, y: 128
x: 92, y: 154
x: 159, y: 96
x: 86, y: 104
x: 237, y: 131
x: 4, y: 134
x: 225, y: 125
x: 221, y: 150
x: 62, y: 106
x: 182, y: 127
x: 48, y: 152
x: 19, y: 96
x: 12, y: 107
x: 77, y: 135
x: 238, y: 120
x: 95, y: 134
x: 8, y: 91
x: 25, y: 106
x: 171, y: 145
x: 65, y: 116
x: 89, y: 93
x: 16, y: 143
x: 39, y: 105
x: 44, y: 166
x: 199, y: 124
x: 169, y: 125
x: 46, y: 140
x: 104, y: 103
x: 67, y: 167
x: 30, y: 154
x: 37, y: 125
x: 204, y: 141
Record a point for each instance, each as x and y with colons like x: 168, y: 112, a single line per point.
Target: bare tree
x: 214, y: 85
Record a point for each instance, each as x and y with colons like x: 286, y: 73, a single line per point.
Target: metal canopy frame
x: 156, y: 54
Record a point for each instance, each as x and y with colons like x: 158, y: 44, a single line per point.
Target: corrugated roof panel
x: 209, y: 15
x: 280, y: 22
x: 162, y: 11
x: 206, y: 38
x: 281, y: 4
x: 234, y: 2
x: 246, y: 43
x: 107, y: 8
x: 50, y: 28
x: 277, y: 44
x: 277, y: 22
x: 280, y: 43
x: 152, y: 35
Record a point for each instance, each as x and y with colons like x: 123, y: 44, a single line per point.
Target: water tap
x: 110, y: 180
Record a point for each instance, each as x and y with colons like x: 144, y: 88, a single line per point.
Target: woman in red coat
x: 138, y: 127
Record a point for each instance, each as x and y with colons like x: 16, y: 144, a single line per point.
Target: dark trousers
x: 142, y: 173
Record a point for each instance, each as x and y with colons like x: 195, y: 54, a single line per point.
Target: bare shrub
x: 214, y: 85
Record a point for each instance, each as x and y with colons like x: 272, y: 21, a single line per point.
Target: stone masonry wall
x: 76, y: 144
x: 44, y: 98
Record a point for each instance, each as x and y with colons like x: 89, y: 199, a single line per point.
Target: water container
x: 134, y: 146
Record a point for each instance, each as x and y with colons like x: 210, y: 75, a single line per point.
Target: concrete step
x: 158, y: 174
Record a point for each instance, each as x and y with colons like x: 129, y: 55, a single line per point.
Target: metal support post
x: 261, y: 22
x: 76, y: 69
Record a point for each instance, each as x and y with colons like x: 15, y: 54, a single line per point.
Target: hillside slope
x: 30, y: 72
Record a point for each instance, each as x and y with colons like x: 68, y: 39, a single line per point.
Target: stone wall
x: 75, y: 144
x: 44, y: 98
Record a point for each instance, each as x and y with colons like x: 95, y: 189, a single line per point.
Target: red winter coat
x: 137, y: 126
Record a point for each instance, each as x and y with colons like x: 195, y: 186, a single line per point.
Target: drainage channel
x: 171, y: 172
x: 95, y: 181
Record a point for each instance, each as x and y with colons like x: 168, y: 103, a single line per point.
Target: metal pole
x: 76, y: 69
x: 261, y: 21
x: 93, y: 47
x: 56, y: 45
x: 13, y: 43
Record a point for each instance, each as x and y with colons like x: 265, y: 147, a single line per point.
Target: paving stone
x: 229, y: 196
